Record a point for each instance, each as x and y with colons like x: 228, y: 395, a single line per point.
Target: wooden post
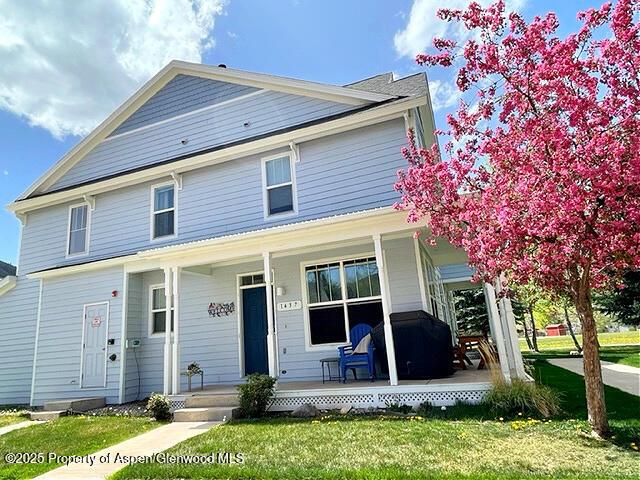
x: 384, y: 293
x: 176, y: 331
x: 271, y: 354
x: 167, y: 329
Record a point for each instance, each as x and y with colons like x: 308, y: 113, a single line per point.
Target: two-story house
x: 238, y: 220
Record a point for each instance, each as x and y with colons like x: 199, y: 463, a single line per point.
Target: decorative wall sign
x: 221, y: 309
x: 292, y: 305
x: 96, y: 321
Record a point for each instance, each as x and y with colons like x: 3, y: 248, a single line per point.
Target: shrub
x: 255, y: 395
x: 399, y: 408
x: 159, y: 406
x: 522, y: 397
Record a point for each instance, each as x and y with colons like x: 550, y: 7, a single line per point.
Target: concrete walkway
x: 16, y: 426
x: 100, y: 465
x: 623, y: 377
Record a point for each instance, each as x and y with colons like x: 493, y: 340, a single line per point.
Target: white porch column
x: 384, y: 293
x: 508, y: 321
x: 271, y: 354
x: 167, y: 335
x: 496, y: 329
x: 175, y: 354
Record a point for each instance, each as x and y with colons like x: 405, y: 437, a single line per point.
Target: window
x: 163, y: 211
x: 78, y: 239
x: 340, y: 295
x: 158, y: 312
x: 436, y: 296
x: 278, y: 181
x: 252, y: 279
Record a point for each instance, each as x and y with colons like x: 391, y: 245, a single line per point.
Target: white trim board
x: 176, y: 67
x: 7, y: 284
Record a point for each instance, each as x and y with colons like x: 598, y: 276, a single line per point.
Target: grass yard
x: 463, y: 442
x: 623, y: 354
x: 10, y: 417
x: 565, y: 341
x: 75, y: 435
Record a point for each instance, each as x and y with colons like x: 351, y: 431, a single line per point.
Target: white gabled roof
x: 258, y: 80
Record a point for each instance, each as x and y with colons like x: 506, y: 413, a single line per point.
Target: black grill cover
x: 422, y: 343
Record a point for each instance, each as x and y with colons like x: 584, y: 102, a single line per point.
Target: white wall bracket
x: 22, y: 217
x: 177, y: 177
x: 91, y: 201
x: 295, y: 150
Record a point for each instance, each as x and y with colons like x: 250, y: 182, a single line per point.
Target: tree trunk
x: 534, y: 334
x: 570, y: 326
x: 591, y: 359
x: 526, y: 334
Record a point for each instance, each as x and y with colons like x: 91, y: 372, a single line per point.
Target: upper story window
x: 158, y: 311
x: 278, y: 180
x: 163, y: 211
x: 78, y: 232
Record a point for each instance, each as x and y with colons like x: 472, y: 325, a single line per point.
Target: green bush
x: 159, y: 406
x: 398, y: 408
x: 255, y: 395
x: 519, y: 396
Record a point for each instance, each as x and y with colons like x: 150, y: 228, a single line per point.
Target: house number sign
x: 221, y: 309
x: 293, y: 305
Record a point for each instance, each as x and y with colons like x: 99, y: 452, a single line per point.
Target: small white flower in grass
x: 443, y: 408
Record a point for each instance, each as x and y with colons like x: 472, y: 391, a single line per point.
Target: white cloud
x: 65, y: 68
x: 5, y: 173
x: 423, y: 25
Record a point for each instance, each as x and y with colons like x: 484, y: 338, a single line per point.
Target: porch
x: 312, y: 289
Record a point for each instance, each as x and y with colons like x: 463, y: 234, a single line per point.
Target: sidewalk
x: 16, y: 426
x: 622, y: 377
x: 149, y: 443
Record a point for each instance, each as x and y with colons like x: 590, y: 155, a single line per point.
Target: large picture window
x: 339, y: 295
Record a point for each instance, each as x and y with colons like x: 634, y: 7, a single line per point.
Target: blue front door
x: 254, y: 317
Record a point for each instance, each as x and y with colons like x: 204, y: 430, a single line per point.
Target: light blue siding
x: 182, y: 94
x: 348, y: 172
x: 455, y: 272
x: 247, y: 117
x: 18, y: 311
x: 60, y: 341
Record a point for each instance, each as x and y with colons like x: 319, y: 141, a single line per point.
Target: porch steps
x: 208, y: 407
x: 46, y: 415
x: 204, y: 414
x: 75, y: 404
x: 217, y: 400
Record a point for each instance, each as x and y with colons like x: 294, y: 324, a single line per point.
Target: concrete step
x: 46, y: 415
x: 217, y: 400
x: 205, y: 414
x: 75, y: 404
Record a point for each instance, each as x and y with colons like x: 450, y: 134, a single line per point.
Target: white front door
x: 94, y: 345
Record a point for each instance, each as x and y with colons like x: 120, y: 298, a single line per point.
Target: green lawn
x: 471, y: 443
x: 9, y: 418
x: 623, y: 354
x: 566, y: 342
x: 76, y: 435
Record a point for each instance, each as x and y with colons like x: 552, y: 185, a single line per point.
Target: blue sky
x: 53, y: 91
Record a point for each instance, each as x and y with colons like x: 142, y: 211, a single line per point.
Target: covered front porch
x: 280, y: 301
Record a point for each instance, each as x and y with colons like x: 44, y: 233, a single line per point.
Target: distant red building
x: 555, y: 330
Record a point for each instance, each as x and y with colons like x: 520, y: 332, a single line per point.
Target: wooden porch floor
x: 460, y: 377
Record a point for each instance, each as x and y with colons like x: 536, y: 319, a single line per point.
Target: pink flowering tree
x: 540, y: 179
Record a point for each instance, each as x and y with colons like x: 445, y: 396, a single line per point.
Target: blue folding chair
x: 350, y: 360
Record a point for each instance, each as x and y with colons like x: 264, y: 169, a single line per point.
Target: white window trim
x: 150, y: 332
x: 309, y: 347
x: 87, y: 231
x: 152, y: 212
x: 294, y: 189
